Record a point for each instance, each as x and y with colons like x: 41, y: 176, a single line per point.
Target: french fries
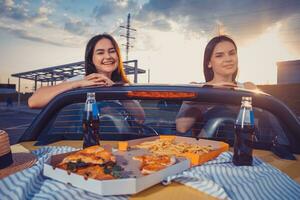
x: 170, y: 147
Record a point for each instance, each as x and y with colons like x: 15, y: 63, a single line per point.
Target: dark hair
x: 119, y: 74
x: 208, y: 72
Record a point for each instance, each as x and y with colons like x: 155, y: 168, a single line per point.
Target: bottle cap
x: 90, y: 95
x: 246, y: 98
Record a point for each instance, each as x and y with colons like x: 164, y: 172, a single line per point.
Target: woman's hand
x: 95, y: 79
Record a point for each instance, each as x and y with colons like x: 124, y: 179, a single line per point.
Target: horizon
x: 170, y: 37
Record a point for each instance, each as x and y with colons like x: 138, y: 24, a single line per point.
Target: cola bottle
x: 244, y: 134
x: 90, y: 121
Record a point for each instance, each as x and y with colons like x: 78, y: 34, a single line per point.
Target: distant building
x: 7, y: 88
x: 288, y: 72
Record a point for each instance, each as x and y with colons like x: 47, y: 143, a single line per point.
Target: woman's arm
x: 43, y: 95
x: 187, y: 116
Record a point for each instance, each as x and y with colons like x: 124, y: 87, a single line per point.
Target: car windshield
x: 116, y: 122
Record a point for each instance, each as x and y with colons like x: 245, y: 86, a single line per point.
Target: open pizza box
x: 132, y: 182
x: 195, y: 159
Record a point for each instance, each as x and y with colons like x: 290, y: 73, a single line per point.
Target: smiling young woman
x: 103, y: 67
x: 102, y: 56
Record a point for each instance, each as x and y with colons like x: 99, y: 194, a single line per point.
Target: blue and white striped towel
x: 31, y: 184
x: 221, y: 179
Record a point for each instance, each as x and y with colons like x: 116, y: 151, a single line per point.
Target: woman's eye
x: 112, y: 51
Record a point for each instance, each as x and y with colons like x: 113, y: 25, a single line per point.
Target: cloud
x: 101, y: 12
x: 21, y: 12
x: 8, y: 8
x: 109, y: 15
x: 9, y: 3
x: 44, y: 11
x: 26, y: 35
x: 110, y: 10
x: 76, y: 26
x: 236, y: 17
x: 122, y: 3
x: 35, y: 24
x: 106, y: 16
x: 161, y: 24
x: 193, y: 18
x: 20, y: 33
x: 39, y: 33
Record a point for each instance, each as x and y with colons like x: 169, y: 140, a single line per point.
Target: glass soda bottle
x: 90, y: 121
x: 244, y: 134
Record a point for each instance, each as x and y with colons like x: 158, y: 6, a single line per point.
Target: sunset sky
x: 170, y: 38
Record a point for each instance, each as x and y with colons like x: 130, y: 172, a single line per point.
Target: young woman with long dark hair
x: 220, y: 67
x: 103, y: 67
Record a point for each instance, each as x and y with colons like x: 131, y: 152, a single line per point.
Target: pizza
x: 95, y: 172
x: 92, y: 155
x: 153, y: 163
x: 92, y: 162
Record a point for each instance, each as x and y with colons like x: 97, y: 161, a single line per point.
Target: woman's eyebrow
x: 219, y: 53
x: 104, y: 49
x: 99, y: 50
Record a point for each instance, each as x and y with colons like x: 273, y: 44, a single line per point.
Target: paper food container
x: 195, y: 159
x: 133, y: 183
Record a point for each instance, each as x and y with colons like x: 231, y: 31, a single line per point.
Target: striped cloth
x: 31, y: 184
x: 219, y: 178
x: 223, y: 180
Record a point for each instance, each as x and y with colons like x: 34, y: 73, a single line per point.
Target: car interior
x: 116, y: 123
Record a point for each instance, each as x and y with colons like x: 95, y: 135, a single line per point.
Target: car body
x: 277, y: 128
x: 274, y: 120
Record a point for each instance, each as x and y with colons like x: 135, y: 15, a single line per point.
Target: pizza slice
x: 90, y: 155
x: 153, y: 163
x: 93, y: 162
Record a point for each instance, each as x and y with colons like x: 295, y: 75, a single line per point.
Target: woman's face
x: 105, y: 57
x: 224, y: 59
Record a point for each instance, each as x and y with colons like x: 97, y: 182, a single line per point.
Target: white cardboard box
x: 134, y: 184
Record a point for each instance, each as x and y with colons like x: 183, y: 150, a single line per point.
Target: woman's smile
x: 110, y: 62
x: 229, y: 66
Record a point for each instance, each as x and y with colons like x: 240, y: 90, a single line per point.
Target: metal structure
x: 127, y: 36
x: 51, y: 75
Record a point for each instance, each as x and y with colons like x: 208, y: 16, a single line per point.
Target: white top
x: 76, y: 78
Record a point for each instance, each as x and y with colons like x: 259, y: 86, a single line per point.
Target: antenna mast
x: 127, y: 36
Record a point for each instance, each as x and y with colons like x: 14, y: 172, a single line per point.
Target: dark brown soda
x: 90, y: 128
x: 243, y: 145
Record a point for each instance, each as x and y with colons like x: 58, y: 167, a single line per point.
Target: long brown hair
x: 208, y: 72
x: 119, y: 74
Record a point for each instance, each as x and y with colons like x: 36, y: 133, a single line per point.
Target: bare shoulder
x: 250, y: 86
